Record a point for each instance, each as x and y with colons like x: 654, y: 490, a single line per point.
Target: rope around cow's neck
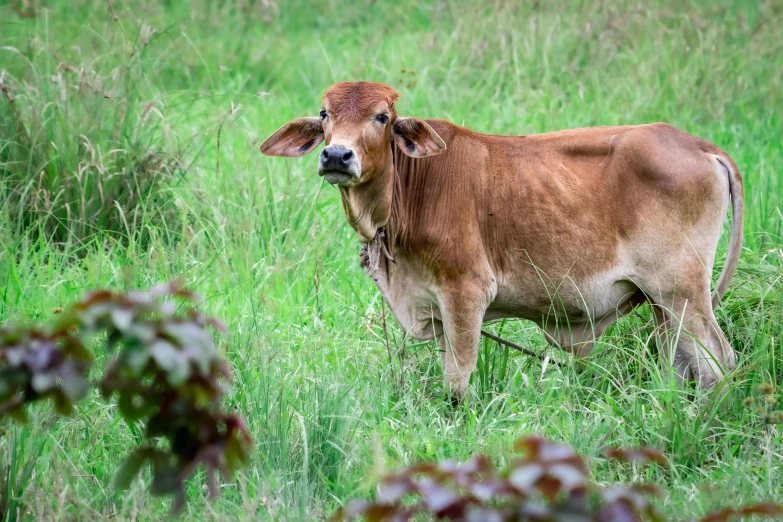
x: 380, y: 236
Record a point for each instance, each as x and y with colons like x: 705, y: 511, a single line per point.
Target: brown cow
x: 568, y: 229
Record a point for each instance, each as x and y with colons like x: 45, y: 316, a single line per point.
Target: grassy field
x: 161, y: 106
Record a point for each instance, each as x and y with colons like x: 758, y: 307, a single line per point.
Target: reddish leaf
x: 540, y: 449
x: 550, y: 487
x: 570, y: 476
x: 436, y: 497
x: 525, y: 476
x: 478, y: 464
x: 491, y: 489
x: 727, y: 514
x: 394, y: 488
x: 635, y: 496
x: 422, y: 467
x: 618, y: 511
x: 643, y: 455
x: 371, y: 512
x: 485, y: 514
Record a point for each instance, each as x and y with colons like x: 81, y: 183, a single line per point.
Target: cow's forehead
x: 358, y: 99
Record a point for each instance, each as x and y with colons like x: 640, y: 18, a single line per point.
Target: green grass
x: 265, y: 241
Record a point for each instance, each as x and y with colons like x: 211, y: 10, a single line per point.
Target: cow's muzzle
x: 339, y: 165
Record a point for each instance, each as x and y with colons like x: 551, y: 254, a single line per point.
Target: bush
x: 550, y: 483
x: 166, y: 373
x: 81, y: 151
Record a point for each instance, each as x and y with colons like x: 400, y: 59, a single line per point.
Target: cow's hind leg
x: 687, y: 331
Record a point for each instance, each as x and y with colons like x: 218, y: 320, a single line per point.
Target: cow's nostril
x: 348, y: 155
x: 324, y: 154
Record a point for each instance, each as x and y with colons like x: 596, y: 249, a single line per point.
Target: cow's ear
x: 295, y: 138
x: 416, y: 138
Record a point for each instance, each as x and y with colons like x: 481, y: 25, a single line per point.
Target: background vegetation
x: 129, y: 135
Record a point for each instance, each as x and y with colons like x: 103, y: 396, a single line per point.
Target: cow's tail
x: 735, y: 242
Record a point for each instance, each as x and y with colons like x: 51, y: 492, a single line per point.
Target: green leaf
x: 78, y: 351
x: 128, y: 471
x: 74, y: 385
x: 43, y: 382
x: 128, y: 409
x: 137, y: 358
x: 65, y: 322
x: 172, y: 361
x: 165, y: 354
x: 141, y: 331
x: 122, y: 318
x: 62, y: 405
x: 165, y: 476
x: 95, y: 313
x: 195, y: 341
x: 234, y: 453
x: 19, y: 415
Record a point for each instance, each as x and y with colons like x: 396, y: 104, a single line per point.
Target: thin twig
x: 402, y: 361
x: 386, y: 339
x: 217, y: 156
x: 113, y: 12
x: 531, y: 353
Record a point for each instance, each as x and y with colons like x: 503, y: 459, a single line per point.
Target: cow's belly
x: 411, y: 296
x: 580, y: 301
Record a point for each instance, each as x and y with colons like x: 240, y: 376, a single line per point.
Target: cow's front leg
x: 462, y: 313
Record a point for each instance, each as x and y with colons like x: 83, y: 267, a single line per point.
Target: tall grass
x: 23, y: 450
x: 87, y: 151
x: 328, y: 401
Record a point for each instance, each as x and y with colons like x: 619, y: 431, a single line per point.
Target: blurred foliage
x: 36, y: 364
x: 166, y: 374
x: 312, y: 371
x: 550, y: 483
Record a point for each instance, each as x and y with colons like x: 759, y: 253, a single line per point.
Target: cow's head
x: 358, y: 122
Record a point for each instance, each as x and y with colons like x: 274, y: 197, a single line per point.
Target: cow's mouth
x: 338, y: 177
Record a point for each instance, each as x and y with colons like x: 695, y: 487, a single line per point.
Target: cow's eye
x: 323, y: 114
x: 382, y: 118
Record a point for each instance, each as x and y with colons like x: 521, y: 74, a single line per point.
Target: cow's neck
x: 368, y: 205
